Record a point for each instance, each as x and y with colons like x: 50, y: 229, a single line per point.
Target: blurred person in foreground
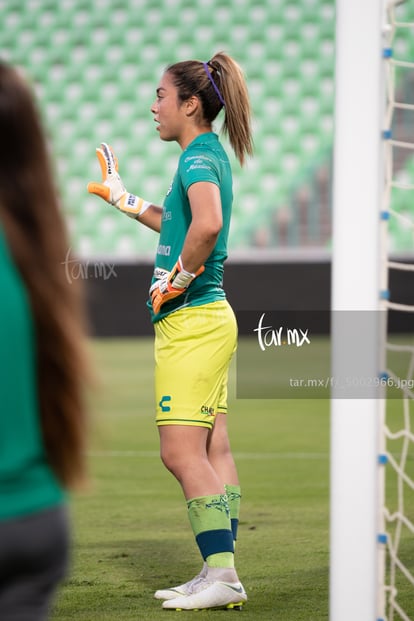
x: 42, y: 365
x: 195, y: 327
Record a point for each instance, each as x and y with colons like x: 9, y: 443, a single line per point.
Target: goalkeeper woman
x: 195, y: 328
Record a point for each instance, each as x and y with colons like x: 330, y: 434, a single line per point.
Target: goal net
x: 396, y: 536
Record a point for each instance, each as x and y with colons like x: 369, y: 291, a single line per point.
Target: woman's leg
x: 184, y: 454
x: 221, y: 459
x: 219, y: 452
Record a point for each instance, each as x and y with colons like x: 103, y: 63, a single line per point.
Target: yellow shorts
x: 193, y: 350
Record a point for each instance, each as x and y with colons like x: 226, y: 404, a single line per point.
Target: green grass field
x: 130, y: 529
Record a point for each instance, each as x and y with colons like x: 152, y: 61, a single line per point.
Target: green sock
x: 234, y: 495
x: 210, y: 520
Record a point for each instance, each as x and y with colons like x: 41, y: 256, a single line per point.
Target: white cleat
x: 181, y: 590
x: 205, y: 595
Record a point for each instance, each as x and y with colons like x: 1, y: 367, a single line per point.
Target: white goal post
x: 356, y: 261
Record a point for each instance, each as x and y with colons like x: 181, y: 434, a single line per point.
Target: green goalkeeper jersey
x: 203, y: 160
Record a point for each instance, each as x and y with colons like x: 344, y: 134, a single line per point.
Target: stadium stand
x: 95, y: 65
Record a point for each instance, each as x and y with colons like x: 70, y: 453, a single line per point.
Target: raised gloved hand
x: 171, y: 285
x: 112, y: 189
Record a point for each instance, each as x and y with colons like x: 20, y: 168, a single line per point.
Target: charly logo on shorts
x: 165, y: 399
x: 207, y: 410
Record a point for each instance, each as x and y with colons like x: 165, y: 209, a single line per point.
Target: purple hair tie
x: 210, y: 77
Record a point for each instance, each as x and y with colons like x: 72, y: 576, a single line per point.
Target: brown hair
x: 34, y: 227
x: 191, y: 78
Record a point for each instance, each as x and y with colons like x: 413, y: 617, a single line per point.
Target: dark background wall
x: 116, y: 294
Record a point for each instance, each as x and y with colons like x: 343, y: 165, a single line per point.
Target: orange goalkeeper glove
x: 112, y: 189
x: 171, y: 285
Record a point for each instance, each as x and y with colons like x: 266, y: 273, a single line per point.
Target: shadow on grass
x: 116, y: 581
